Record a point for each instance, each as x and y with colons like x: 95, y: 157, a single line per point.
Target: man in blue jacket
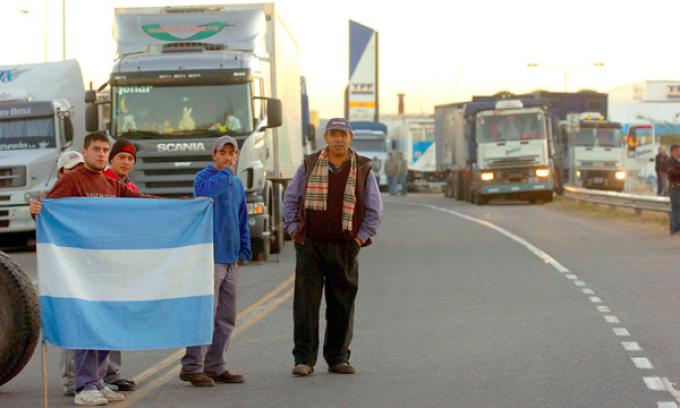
x: 203, y: 366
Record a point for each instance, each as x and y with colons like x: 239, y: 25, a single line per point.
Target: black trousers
x: 331, y: 268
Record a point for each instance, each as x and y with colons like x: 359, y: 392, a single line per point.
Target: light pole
x: 565, y: 69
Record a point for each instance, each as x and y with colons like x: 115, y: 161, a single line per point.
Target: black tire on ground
x: 260, y: 249
x: 480, y: 199
x: 547, y: 196
x: 19, y: 319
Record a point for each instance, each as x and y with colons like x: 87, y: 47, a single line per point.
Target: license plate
x: 598, y: 180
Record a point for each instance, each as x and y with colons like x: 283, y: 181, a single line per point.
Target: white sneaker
x: 111, y: 395
x: 90, y: 398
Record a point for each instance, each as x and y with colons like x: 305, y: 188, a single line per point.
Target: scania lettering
x: 181, y: 147
x: 186, y: 75
x: 41, y: 114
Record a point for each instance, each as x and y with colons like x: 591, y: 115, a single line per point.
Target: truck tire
x: 261, y: 246
x: 547, y: 197
x: 480, y: 199
x: 260, y: 249
x: 19, y: 319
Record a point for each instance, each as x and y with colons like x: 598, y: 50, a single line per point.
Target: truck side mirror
x: 274, y: 113
x: 90, y: 96
x: 68, y: 131
x: 91, y: 117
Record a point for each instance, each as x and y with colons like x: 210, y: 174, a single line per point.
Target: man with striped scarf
x: 331, y: 208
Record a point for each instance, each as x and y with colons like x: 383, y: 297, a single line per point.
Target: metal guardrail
x: 638, y: 202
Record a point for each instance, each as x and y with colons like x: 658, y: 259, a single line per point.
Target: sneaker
x: 111, y: 395
x: 90, y: 398
x: 197, y: 379
x: 302, y: 370
x: 342, y: 368
x: 112, y: 387
x: 70, y: 390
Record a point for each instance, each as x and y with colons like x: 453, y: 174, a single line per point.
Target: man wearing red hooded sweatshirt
x: 122, y: 160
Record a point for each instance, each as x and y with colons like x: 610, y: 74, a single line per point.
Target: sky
x: 433, y: 51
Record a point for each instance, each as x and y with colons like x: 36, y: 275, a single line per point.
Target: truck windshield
x: 27, y: 134
x: 510, y: 127
x: 178, y: 111
x: 598, y: 137
x: 369, y: 145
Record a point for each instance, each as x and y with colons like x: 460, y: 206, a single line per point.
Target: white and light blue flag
x: 125, y: 273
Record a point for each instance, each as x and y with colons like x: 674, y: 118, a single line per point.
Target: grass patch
x: 652, y: 220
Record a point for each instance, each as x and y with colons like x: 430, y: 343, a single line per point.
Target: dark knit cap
x: 123, y: 146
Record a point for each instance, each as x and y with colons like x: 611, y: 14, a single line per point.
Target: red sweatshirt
x: 83, y: 182
x: 110, y: 174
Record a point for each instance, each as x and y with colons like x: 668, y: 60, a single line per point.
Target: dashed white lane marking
x: 579, y: 283
x: 631, y: 346
x: 611, y: 319
x: 642, y: 363
x: 587, y: 291
x: 670, y: 387
x: 621, y: 331
x: 571, y: 276
x: 654, y: 383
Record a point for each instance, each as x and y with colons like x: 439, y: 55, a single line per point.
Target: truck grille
x: 175, y: 159
x: 12, y: 177
x: 513, y: 175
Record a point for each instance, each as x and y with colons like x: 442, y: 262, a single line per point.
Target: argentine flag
x: 126, y: 273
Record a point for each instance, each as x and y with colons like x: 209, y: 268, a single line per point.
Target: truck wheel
x: 260, y: 248
x: 277, y: 240
x: 480, y: 199
x: 19, y: 319
x: 547, y: 196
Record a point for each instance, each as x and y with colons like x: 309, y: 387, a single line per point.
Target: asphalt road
x: 505, y: 305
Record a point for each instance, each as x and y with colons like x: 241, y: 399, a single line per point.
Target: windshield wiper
x: 140, y: 134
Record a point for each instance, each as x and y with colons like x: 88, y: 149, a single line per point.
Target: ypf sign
x: 362, y: 92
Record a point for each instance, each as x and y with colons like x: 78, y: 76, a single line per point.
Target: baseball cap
x: 338, y: 124
x: 219, y: 143
x: 69, y: 160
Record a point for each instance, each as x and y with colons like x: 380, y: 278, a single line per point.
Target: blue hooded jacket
x: 231, y: 236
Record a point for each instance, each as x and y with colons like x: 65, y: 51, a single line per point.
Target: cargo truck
x: 495, y: 148
x: 41, y: 114
x: 186, y: 75
x: 370, y: 140
x: 590, y: 152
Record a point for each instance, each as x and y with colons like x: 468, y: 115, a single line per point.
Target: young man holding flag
x: 89, y: 181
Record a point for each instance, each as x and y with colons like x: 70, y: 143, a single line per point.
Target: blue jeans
x: 403, y: 180
x: 675, y: 210
x: 392, y: 181
x: 210, y: 358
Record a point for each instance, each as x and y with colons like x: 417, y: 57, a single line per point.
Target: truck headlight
x: 620, y: 175
x: 543, y: 173
x: 578, y: 173
x: 487, y: 176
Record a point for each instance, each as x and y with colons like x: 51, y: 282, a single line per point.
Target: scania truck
x: 185, y: 75
x: 41, y: 114
x: 495, y: 148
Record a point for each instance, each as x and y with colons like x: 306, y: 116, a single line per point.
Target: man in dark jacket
x: 203, y: 366
x: 673, y: 172
x: 660, y: 167
x: 331, y: 208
